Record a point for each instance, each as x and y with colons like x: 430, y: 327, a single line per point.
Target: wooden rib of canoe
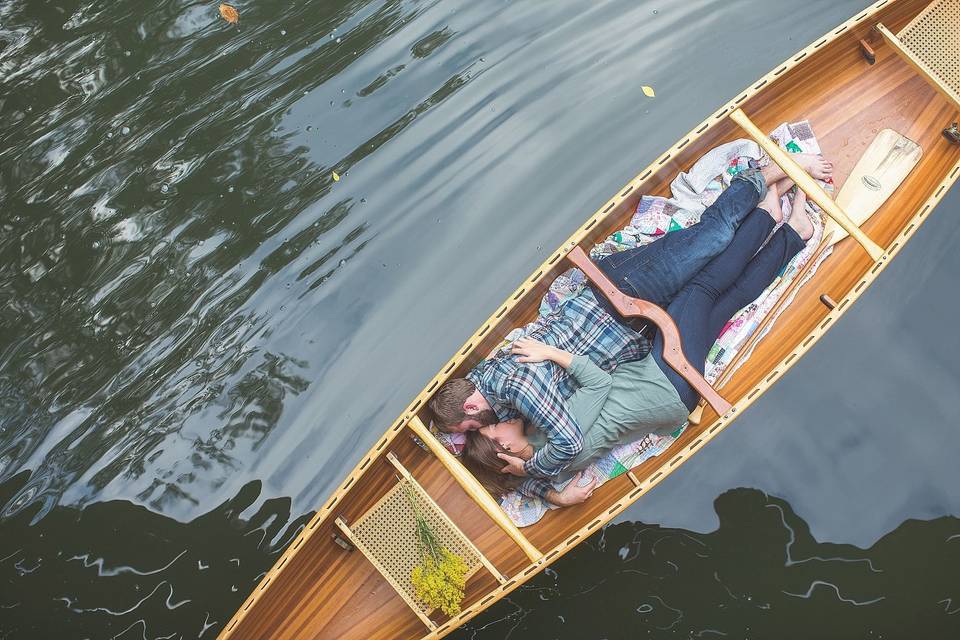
x: 331, y: 583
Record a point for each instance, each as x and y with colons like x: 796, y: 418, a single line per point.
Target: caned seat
x: 931, y: 44
x: 386, y: 535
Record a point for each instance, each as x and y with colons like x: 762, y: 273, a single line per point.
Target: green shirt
x: 614, y: 408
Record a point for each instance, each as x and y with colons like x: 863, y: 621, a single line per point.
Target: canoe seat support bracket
x: 952, y: 133
x: 342, y: 542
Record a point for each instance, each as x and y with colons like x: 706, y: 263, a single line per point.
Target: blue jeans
x: 656, y: 272
x: 728, y: 283
x: 705, y: 273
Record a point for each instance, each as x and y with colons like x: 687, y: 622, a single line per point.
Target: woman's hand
x: 573, y: 493
x: 530, y: 350
x: 514, y: 465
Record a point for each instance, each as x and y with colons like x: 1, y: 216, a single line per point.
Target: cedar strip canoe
x: 319, y: 589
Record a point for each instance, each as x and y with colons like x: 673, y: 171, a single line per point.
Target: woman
x: 647, y: 395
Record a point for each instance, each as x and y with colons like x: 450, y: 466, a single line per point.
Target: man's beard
x: 486, y: 417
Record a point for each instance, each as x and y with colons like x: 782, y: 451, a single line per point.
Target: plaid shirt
x: 538, y: 392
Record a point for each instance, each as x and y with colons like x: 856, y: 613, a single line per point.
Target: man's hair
x: 447, y: 402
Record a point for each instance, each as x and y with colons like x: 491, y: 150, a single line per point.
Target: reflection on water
x: 115, y: 569
x: 153, y: 239
x: 202, y: 329
x: 759, y: 575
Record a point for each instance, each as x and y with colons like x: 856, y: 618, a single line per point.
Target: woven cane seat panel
x: 934, y: 37
x: 388, y: 531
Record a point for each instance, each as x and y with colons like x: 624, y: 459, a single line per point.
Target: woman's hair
x: 480, y: 457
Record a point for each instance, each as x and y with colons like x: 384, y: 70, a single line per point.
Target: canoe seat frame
x: 930, y: 43
x: 386, y: 535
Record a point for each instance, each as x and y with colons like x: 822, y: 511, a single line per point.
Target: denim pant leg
x: 756, y: 276
x: 657, y: 271
x: 721, y: 272
x: 692, y: 309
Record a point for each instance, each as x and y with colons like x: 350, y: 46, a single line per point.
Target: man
x: 506, y: 387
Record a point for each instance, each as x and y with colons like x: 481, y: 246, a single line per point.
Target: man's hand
x: 514, y: 465
x: 573, y: 493
x: 530, y: 350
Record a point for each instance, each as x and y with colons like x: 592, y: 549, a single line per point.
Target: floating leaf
x: 648, y: 91
x: 229, y: 13
x: 336, y: 176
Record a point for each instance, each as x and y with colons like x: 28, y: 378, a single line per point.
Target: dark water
x: 202, y: 330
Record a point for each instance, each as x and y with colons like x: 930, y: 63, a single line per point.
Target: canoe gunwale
x: 551, y: 264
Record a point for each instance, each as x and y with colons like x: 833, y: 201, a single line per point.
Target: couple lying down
x: 581, y: 383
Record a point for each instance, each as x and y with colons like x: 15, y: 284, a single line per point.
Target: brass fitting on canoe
x: 342, y: 542
x: 952, y: 133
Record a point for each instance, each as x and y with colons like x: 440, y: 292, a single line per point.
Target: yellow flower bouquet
x: 439, y: 581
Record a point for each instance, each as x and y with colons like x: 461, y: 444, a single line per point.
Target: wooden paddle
x: 880, y: 170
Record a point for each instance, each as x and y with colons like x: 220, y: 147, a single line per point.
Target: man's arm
x: 586, y: 402
x: 537, y: 488
x: 534, y: 395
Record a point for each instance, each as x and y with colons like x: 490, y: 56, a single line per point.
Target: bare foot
x: 799, y: 219
x: 771, y: 203
x: 815, y: 165
x: 784, y: 185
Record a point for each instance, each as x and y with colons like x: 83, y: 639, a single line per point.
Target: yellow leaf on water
x: 648, y: 91
x: 229, y: 13
x: 336, y: 177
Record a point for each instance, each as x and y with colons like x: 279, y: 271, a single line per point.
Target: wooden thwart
x: 636, y: 308
x: 473, y: 488
x: 805, y: 182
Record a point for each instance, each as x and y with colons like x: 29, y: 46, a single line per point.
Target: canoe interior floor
x: 331, y: 593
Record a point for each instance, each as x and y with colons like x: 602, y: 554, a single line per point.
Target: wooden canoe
x: 319, y: 589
